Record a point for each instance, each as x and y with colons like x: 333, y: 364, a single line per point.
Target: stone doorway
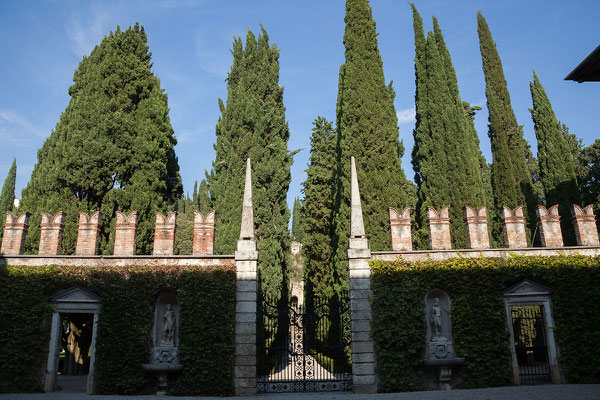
x: 71, y: 351
x: 531, y: 327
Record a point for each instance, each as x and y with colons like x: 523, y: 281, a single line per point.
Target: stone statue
x: 169, y: 327
x: 435, y: 319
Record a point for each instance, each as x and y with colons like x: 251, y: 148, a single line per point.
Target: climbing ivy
x: 128, y: 294
x: 479, y: 330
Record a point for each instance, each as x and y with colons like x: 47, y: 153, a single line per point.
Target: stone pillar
x: 51, y: 230
x: 400, y: 229
x: 87, y: 234
x: 513, y: 227
x: 125, y: 234
x: 549, y: 224
x: 364, y: 379
x: 477, y: 231
x: 246, y: 260
x: 15, y: 230
x: 164, y: 234
x: 584, y: 220
x: 439, y: 229
x: 204, y: 233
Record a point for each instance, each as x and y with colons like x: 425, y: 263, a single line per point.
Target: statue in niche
x: 435, y: 318
x: 169, y: 327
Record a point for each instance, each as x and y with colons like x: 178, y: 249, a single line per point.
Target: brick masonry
x: 400, y: 229
x: 549, y: 224
x: 87, y: 234
x: 477, y: 232
x: 204, y: 233
x: 51, y: 230
x: 513, y: 227
x: 164, y: 234
x: 584, y: 221
x: 15, y: 230
x: 438, y: 225
x: 125, y: 234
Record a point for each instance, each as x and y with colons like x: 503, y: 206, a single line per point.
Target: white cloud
x: 405, y: 116
x: 87, y: 31
x: 16, y: 130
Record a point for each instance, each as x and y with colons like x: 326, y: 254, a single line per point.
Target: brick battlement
x: 204, y: 233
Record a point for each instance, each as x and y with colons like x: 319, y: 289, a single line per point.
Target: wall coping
x: 421, y: 255
x: 111, y: 260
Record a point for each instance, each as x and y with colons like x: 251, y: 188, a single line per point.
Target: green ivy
x: 128, y: 294
x: 479, y: 330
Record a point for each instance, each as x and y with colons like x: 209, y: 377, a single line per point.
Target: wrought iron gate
x: 531, y: 344
x: 304, y: 351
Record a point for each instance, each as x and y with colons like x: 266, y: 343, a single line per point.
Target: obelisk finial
x: 247, y: 229
x: 357, y: 227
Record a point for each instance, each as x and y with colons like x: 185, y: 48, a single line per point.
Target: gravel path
x: 547, y: 392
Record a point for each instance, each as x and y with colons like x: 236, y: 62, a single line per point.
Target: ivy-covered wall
x: 128, y: 294
x: 475, y: 286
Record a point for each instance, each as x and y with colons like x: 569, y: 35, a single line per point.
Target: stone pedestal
x: 400, y: 229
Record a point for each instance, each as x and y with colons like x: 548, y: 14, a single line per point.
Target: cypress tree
x: 112, y: 149
x: 297, y: 221
x: 317, y: 211
x: 511, y: 179
x: 204, y: 203
x: 252, y: 124
x: 195, y: 195
x: 367, y: 128
x: 446, y: 154
x: 184, y: 230
x: 7, y: 197
x: 557, y: 169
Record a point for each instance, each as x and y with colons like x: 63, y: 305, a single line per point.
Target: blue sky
x: 43, y: 43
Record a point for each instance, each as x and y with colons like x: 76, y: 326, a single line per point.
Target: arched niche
x: 165, y: 332
x: 442, y: 312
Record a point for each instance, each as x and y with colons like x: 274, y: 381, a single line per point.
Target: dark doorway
x: 74, y: 357
x: 531, y: 344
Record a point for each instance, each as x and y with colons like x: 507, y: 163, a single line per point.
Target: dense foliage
x: 511, y: 179
x: 475, y: 287
x: 557, y: 169
x: 317, y: 211
x: 128, y: 294
x: 112, y: 149
x: 446, y: 155
x: 252, y: 125
x: 7, y: 197
x: 297, y: 228
x: 367, y: 128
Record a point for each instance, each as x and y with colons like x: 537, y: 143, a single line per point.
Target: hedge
x: 475, y: 287
x: 128, y: 294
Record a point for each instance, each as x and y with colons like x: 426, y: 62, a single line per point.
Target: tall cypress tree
x: 511, y: 179
x: 112, y: 149
x: 297, y: 221
x: 204, y: 203
x: 7, y: 197
x: 446, y: 155
x: 557, y: 169
x: 252, y: 124
x: 367, y: 128
x: 317, y: 211
x: 195, y: 195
